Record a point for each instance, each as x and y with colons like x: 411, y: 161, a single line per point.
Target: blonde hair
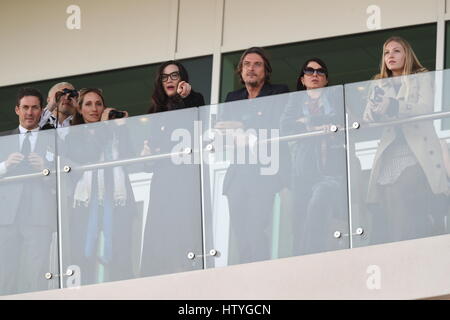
x: 412, y: 64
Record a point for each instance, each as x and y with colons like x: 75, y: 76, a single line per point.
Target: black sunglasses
x: 310, y: 71
x: 174, y: 76
x: 71, y: 93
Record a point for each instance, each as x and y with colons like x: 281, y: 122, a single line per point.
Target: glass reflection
x: 28, y: 214
x: 101, y: 202
x: 407, y: 186
x: 248, y: 170
x: 173, y: 218
x: 318, y: 175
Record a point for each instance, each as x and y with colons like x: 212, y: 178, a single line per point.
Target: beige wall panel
x: 267, y: 22
x: 413, y: 269
x: 447, y: 9
x: 36, y: 44
x: 197, y: 30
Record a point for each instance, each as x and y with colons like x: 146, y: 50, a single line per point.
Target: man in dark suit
x: 250, y: 193
x: 254, y: 70
x: 28, y: 197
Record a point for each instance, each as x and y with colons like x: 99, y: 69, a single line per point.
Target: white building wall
x: 37, y: 45
x: 262, y: 23
x: 413, y: 269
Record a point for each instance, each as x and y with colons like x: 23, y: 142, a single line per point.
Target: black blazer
x: 310, y: 162
x: 255, y: 114
x: 267, y: 90
x: 43, y: 188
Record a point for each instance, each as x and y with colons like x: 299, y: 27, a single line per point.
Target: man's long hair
x: 263, y: 55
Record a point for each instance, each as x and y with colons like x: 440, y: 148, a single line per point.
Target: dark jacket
x: 194, y: 99
x: 256, y: 114
x: 267, y: 90
x: 314, y: 157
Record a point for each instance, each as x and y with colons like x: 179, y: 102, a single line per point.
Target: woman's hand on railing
x: 146, y: 149
x: 325, y: 128
x: 302, y: 120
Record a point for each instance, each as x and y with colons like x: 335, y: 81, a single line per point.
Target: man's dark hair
x: 263, y: 55
x: 25, y: 92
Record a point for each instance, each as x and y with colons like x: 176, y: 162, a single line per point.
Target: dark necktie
x: 24, y: 168
x: 26, y: 145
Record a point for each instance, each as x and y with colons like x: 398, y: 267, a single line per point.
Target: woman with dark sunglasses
x: 318, y: 162
x: 313, y: 75
x: 170, y: 228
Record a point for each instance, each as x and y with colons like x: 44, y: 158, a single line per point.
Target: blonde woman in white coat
x: 408, y: 178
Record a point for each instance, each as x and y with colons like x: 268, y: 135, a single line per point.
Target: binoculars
x: 72, y: 93
x: 115, y: 114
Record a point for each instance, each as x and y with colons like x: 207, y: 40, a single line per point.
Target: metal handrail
x: 99, y: 165
x: 131, y: 160
x: 432, y: 116
x: 22, y: 176
x: 317, y: 133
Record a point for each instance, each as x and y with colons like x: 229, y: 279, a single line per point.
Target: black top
x: 255, y: 114
x: 194, y: 99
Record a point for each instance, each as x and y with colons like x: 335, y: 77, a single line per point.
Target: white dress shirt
x: 47, y: 116
x: 33, y: 137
